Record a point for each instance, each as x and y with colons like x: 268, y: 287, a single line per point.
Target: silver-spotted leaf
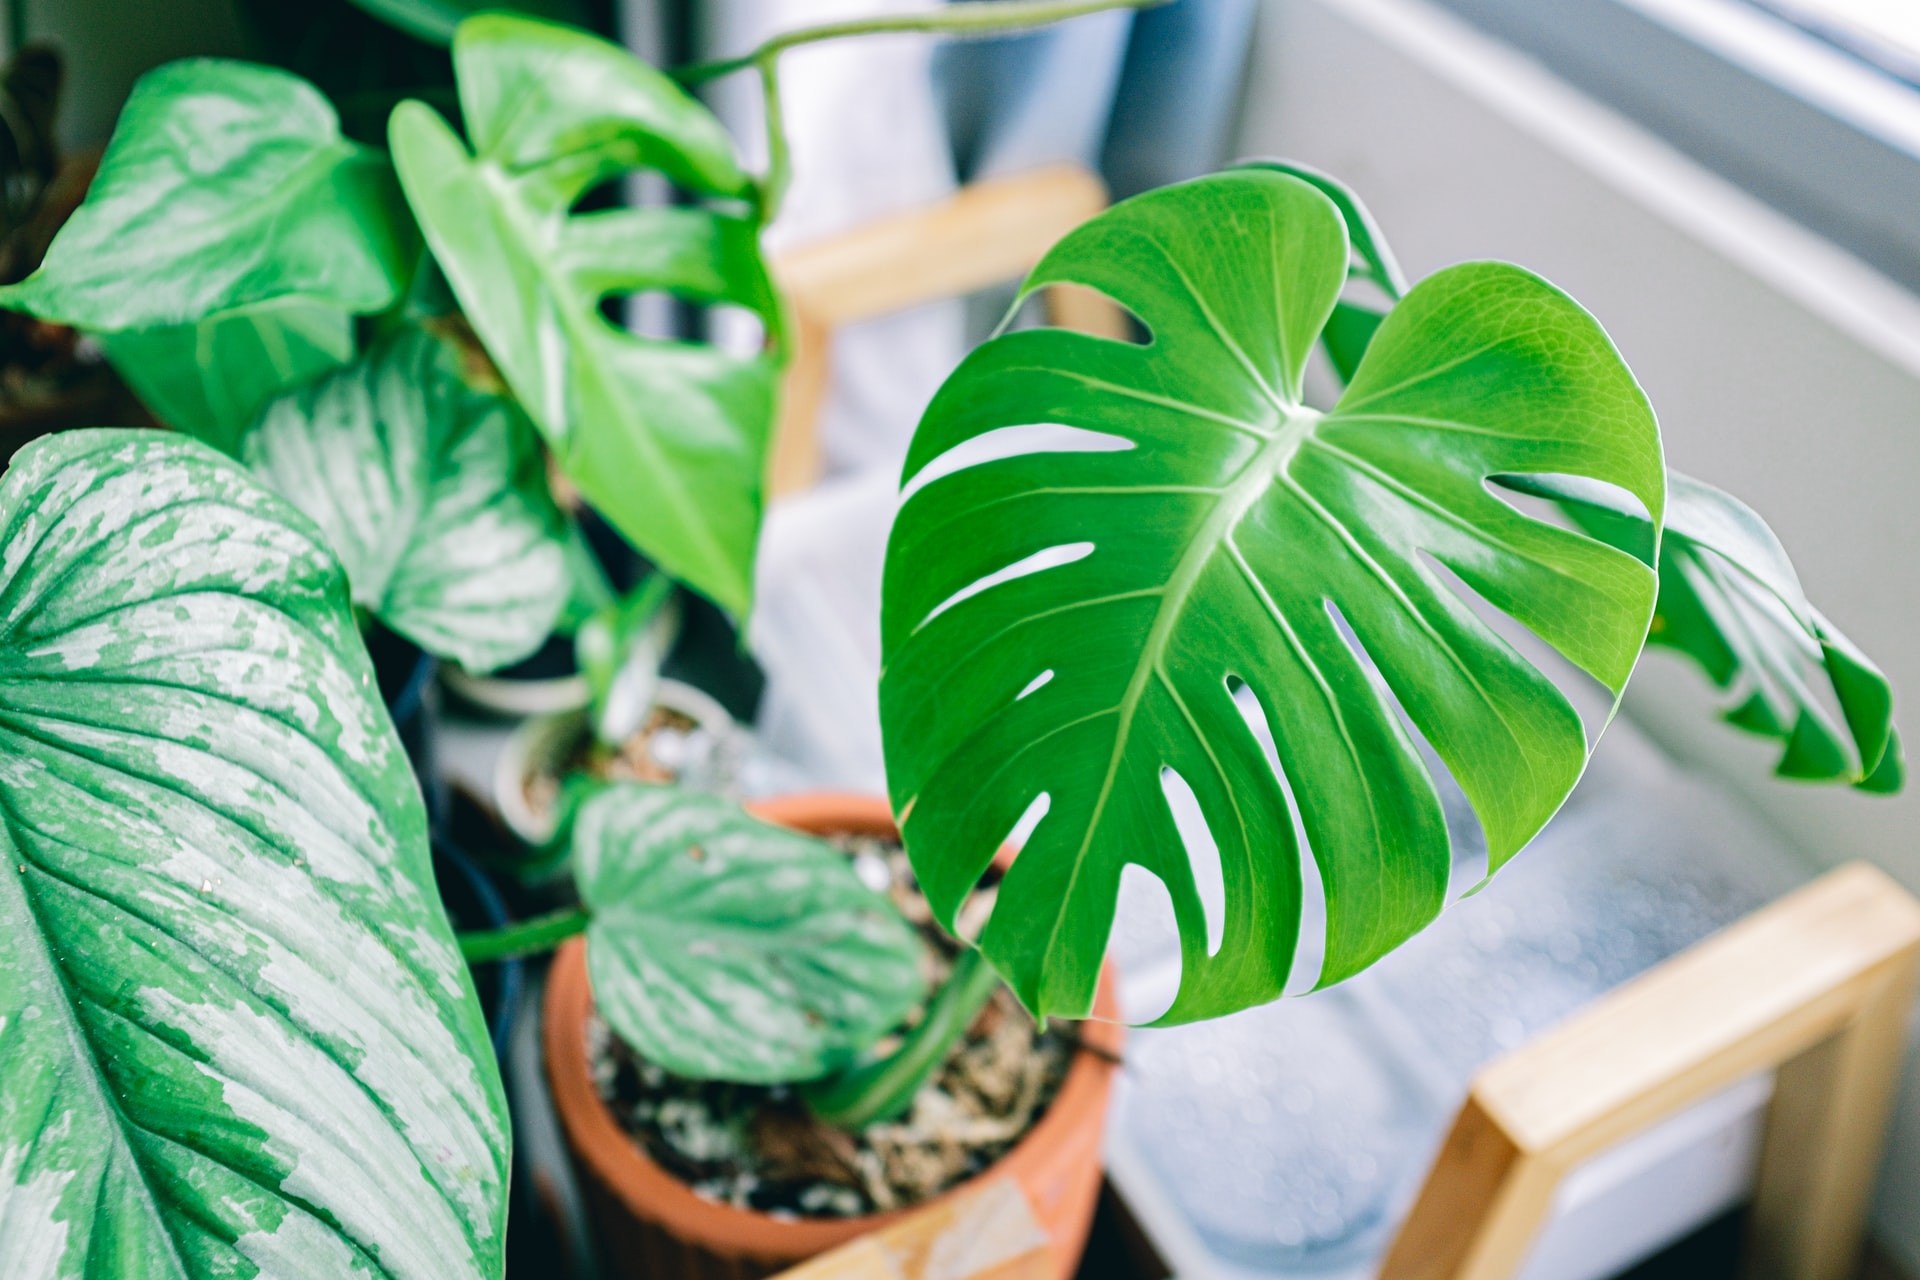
x: 433, y: 494
x: 723, y: 948
x: 667, y: 439
x: 1230, y: 539
x: 236, y: 1038
x: 236, y: 231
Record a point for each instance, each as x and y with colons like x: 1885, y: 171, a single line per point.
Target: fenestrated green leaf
x: 726, y: 949
x: 226, y: 242
x: 236, y: 1038
x: 1731, y: 601
x: 667, y: 439
x: 1232, y: 541
x: 210, y: 379
x: 434, y: 496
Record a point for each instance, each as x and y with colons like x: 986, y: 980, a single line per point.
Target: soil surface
x: 666, y: 744
x: 757, y: 1147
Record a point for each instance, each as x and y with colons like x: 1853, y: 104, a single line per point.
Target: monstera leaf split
x: 1239, y: 538
x: 668, y: 439
x: 236, y: 1037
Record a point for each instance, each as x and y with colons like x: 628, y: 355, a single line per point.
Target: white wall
x: 1780, y: 369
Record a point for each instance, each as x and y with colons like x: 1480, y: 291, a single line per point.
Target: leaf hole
x: 1038, y: 562
x: 1014, y: 442
x: 1035, y: 685
x: 1203, y: 854
x: 1145, y: 944
x: 1531, y: 494
x: 1464, y: 832
x: 1590, y: 698
x: 1310, y: 947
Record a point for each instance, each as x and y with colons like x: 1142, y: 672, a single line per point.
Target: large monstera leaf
x: 1238, y: 538
x: 1731, y: 602
x: 667, y: 439
x: 727, y: 949
x: 433, y: 494
x: 236, y: 1038
x: 230, y: 234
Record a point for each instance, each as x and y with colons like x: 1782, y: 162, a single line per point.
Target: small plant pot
x: 545, y: 684
x: 651, y: 1224
x: 545, y: 744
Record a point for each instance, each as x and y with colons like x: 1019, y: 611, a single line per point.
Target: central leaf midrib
x: 1237, y: 496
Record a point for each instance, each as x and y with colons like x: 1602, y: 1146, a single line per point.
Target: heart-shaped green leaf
x: 726, y: 949
x: 231, y: 216
x: 667, y: 439
x: 236, y: 1038
x: 434, y: 496
x: 1731, y: 601
x: 1238, y: 538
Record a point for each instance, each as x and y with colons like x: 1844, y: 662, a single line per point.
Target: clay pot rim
x: 649, y: 1192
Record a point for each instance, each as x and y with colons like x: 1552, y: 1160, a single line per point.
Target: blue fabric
x: 1145, y: 98
x: 1179, y: 94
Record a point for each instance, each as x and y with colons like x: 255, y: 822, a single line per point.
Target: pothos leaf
x: 230, y: 235
x: 667, y: 439
x: 726, y: 949
x: 1731, y: 601
x: 1236, y: 537
x: 236, y: 1038
x: 434, y: 496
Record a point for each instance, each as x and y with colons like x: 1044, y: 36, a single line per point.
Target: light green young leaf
x: 723, y: 948
x: 1233, y: 540
x: 434, y: 496
x: 236, y: 1038
x: 667, y: 439
x: 1731, y: 601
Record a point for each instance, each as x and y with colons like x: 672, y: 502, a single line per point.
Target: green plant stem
x: 523, y: 937
x: 882, y: 1089
x: 773, y: 185
x: 967, y: 19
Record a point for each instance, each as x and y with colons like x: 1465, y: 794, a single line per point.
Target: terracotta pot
x: 652, y: 1225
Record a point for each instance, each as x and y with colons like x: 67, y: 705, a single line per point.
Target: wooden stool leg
x: 1480, y: 1209
x: 1825, y: 1129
